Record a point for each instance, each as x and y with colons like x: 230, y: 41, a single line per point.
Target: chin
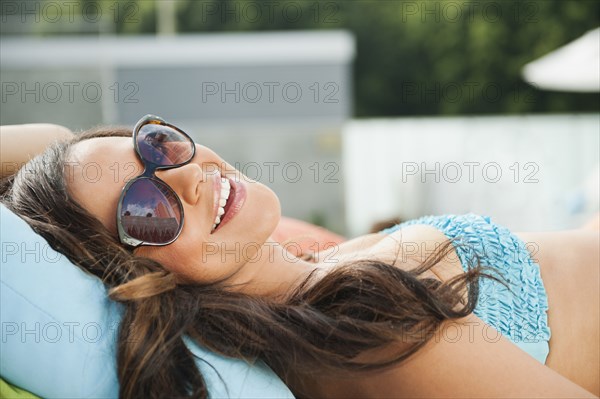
x: 261, y: 213
x: 270, y: 211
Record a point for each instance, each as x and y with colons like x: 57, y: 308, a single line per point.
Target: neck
x: 273, y: 271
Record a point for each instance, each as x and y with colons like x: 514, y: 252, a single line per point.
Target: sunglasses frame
x: 149, y: 173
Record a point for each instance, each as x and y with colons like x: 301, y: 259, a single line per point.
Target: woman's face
x: 98, y: 169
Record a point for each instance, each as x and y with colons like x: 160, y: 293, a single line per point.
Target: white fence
x: 528, y: 172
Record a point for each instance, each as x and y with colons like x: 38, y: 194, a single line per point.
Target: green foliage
x: 421, y: 57
x: 430, y: 57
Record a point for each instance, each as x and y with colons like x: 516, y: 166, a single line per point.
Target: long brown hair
x: 323, y: 325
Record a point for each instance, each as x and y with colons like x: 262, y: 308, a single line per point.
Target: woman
x: 184, y: 242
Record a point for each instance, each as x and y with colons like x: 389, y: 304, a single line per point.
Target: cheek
x: 166, y: 256
x: 184, y: 259
x: 195, y: 257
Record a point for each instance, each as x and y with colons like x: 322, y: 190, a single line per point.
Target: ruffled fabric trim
x: 520, y: 314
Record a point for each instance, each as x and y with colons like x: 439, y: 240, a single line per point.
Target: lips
x: 237, y: 197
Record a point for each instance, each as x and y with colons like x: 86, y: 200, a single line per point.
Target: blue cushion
x: 59, y: 329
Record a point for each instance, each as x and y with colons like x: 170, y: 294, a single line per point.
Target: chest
x: 406, y: 249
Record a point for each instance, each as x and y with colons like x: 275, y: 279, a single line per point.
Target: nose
x: 184, y: 181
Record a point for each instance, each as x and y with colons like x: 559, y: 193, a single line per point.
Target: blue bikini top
x: 520, y: 314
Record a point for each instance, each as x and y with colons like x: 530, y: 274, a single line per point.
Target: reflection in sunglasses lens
x: 150, y: 212
x: 163, y: 145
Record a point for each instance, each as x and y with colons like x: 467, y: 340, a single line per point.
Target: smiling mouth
x: 225, y: 200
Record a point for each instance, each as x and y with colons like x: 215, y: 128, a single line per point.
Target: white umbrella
x: 572, y: 67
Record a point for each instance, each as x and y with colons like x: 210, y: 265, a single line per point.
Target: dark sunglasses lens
x: 163, y: 145
x: 150, y: 212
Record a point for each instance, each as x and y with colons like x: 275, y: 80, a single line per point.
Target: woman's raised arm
x: 20, y: 143
x: 466, y: 359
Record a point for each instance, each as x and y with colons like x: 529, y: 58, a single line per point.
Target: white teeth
x: 225, y: 188
x: 225, y: 191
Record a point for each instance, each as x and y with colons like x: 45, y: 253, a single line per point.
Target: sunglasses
x: 149, y: 212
